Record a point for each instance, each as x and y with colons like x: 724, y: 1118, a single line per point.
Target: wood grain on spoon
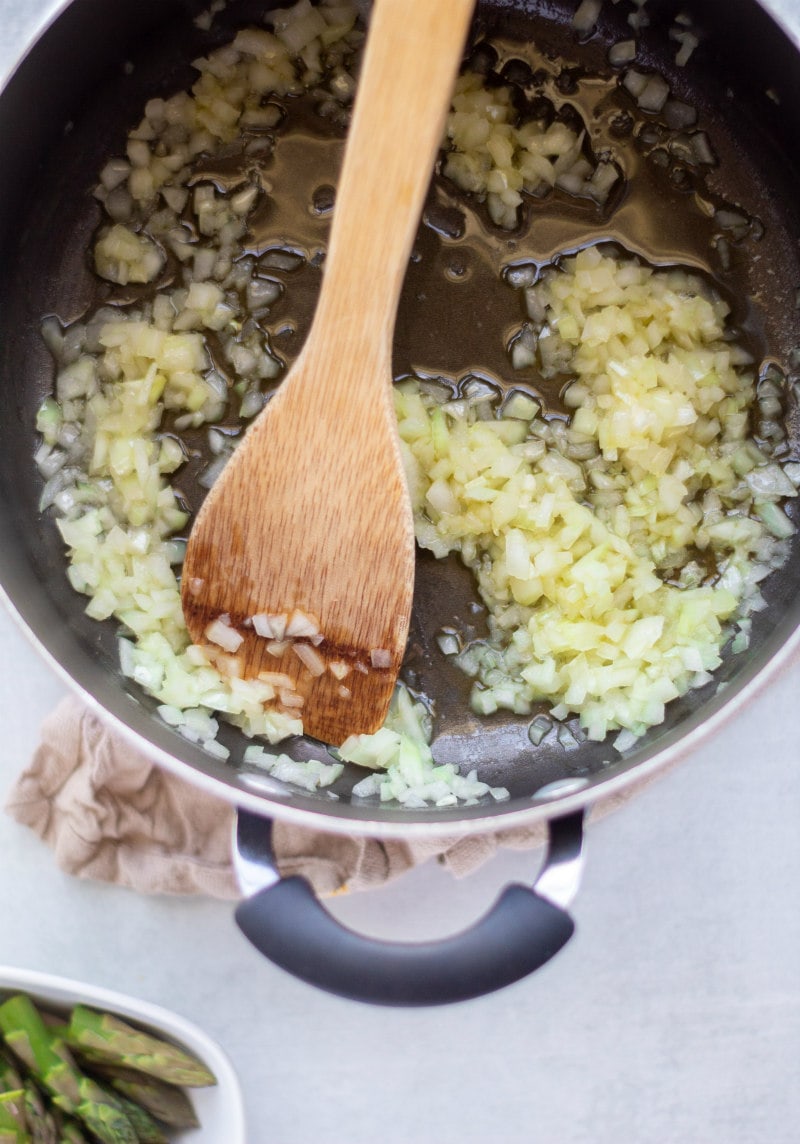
x: 312, y: 514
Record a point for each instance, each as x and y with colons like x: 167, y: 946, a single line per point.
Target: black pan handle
x: 522, y: 930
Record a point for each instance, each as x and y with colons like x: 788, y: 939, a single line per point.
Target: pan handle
x: 523, y: 929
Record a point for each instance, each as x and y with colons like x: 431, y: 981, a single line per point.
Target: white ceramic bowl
x: 220, y: 1108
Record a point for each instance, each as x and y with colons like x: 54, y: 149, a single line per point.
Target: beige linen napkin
x: 109, y: 813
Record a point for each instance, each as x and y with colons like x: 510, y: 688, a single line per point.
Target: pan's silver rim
x: 787, y: 14
x: 46, y: 18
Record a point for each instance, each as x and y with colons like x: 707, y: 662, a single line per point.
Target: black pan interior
x: 69, y: 107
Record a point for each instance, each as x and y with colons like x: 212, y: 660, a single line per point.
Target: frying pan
x: 66, y: 108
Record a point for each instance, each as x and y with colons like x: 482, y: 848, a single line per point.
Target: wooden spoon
x: 309, y: 528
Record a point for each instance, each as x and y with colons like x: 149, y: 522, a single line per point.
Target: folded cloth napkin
x: 109, y: 813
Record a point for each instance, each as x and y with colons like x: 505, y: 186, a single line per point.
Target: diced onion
x: 220, y: 632
x: 212, y: 472
x: 309, y: 657
x: 623, y: 52
x: 300, y: 624
x: 586, y: 16
x: 271, y: 627
x: 558, y: 523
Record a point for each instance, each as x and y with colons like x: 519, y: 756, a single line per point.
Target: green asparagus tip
x: 101, y: 1037
x: 12, y: 1114
x: 165, y: 1102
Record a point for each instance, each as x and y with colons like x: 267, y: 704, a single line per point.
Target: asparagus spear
x: 13, y: 1125
x: 101, y: 1037
x: 10, y: 1078
x: 167, y: 1103
x: 41, y: 1124
x: 48, y: 1059
x: 147, y: 1129
x: 71, y: 1133
x: 69, y: 1130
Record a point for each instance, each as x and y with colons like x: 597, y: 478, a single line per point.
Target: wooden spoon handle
x: 413, y: 51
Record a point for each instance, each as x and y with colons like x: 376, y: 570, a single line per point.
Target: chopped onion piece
x: 300, y: 624
x: 271, y: 627
x: 290, y: 698
x: 586, y: 15
x: 654, y: 94
x: 623, y: 52
x: 776, y: 520
x: 278, y: 647
x: 702, y: 149
x: 263, y: 292
x: 523, y: 349
x: 770, y: 481
x: 217, y: 749
x: 625, y: 741
x: 539, y: 728
x: 276, y: 679
x: 518, y: 277
x: 252, y: 404
x: 449, y: 643
x: 280, y: 259
x: 115, y: 172
x: 380, y: 658
x: 310, y: 657
x: 220, y: 632
x: 679, y: 115
x: 212, y: 472
x: 688, y: 42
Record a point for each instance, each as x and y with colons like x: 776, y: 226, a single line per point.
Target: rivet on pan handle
x: 523, y: 929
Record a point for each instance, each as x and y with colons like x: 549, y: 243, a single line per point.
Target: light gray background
x: 672, y: 1016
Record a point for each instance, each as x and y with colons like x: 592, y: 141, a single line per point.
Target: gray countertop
x: 673, y: 1015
